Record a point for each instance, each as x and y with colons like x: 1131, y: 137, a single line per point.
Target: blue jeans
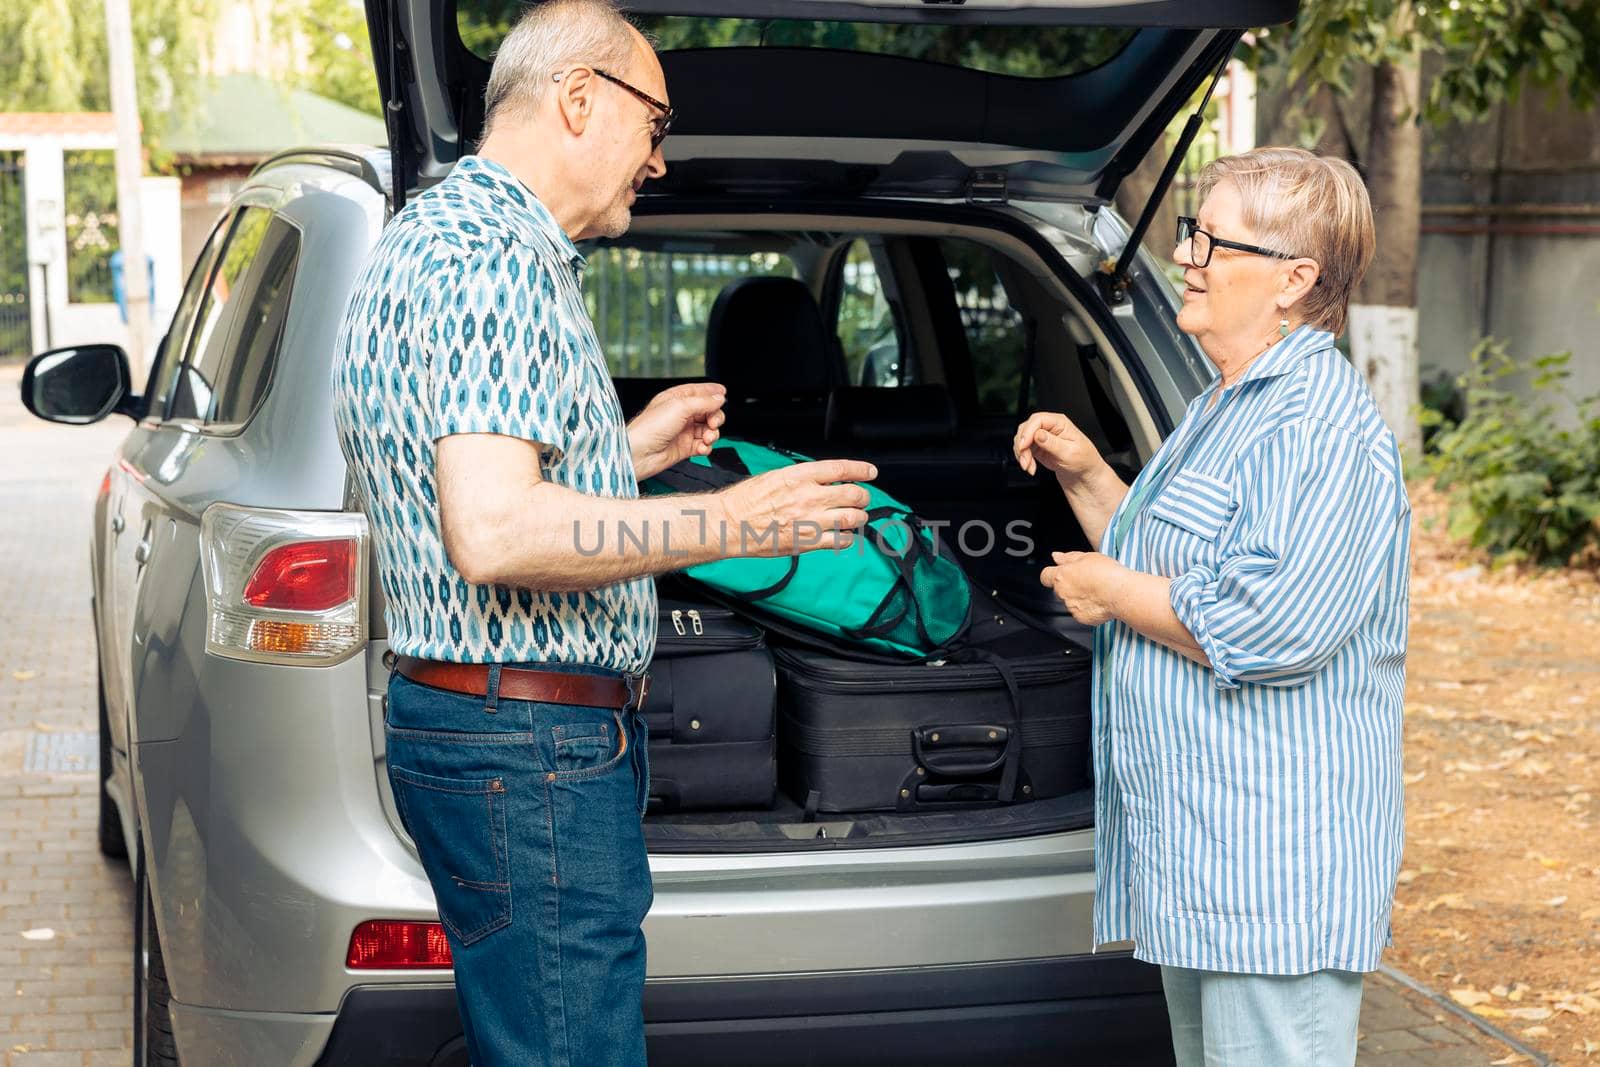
x: 527, y: 819
x: 1263, y: 1020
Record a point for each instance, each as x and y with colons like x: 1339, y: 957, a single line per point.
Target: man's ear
x: 575, y: 97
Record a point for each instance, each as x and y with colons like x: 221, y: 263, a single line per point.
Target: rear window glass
x: 996, y: 333
x: 650, y: 306
x: 1020, y: 51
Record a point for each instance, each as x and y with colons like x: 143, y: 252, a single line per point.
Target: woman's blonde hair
x: 1303, y: 204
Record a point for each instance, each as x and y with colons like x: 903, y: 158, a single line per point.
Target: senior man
x: 484, y: 431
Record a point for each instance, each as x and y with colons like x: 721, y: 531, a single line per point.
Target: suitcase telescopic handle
x: 968, y: 750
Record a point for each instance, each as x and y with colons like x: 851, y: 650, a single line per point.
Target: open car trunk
x: 1043, y: 99
x: 958, y: 303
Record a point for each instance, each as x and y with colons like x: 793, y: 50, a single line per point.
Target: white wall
x: 57, y: 323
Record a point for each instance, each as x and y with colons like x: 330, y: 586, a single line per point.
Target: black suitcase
x: 711, y: 710
x: 1004, y: 721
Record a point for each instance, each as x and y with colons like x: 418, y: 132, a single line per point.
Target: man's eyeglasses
x: 661, y: 124
x: 1203, y: 243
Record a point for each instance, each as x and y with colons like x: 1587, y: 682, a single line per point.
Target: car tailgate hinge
x: 987, y: 187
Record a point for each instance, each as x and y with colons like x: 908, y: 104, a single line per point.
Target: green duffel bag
x: 892, y: 591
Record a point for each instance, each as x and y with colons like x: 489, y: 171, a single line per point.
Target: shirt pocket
x: 1238, y: 840
x: 1187, y: 519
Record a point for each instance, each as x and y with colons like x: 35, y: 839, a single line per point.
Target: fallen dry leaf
x: 1452, y: 901
x: 1469, y: 997
x: 23, y: 676
x: 1556, y: 902
x: 1533, y: 1014
x: 1515, y: 1057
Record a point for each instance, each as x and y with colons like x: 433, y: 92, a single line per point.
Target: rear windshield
x: 1020, y: 51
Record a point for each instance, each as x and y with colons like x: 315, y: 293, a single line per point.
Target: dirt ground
x: 1499, y: 896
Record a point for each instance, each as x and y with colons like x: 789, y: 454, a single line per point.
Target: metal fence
x: 91, y: 221
x: 15, y: 333
x: 651, y: 307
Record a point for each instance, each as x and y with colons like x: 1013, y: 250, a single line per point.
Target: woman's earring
x: 1283, y: 327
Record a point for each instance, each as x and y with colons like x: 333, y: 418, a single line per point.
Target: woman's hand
x: 1087, y: 584
x: 1049, y: 440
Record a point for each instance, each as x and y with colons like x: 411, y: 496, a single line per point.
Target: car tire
x: 153, y: 1043
x: 112, y: 844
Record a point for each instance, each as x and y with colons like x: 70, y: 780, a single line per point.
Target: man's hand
x: 796, y: 509
x: 1086, y: 582
x: 678, y: 423
x: 1048, y: 439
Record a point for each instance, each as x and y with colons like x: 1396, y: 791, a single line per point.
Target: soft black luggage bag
x: 1003, y: 721
x: 711, y: 710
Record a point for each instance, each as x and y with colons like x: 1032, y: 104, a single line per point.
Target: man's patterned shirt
x: 469, y: 318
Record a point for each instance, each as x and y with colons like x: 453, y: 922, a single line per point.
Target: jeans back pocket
x: 459, y: 826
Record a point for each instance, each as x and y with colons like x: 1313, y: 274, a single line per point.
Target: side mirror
x: 78, y: 385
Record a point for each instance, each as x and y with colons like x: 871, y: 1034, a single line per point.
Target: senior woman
x: 1249, y: 601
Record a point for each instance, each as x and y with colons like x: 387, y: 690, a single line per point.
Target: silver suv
x: 950, y: 218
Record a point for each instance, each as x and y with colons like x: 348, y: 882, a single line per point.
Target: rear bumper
x: 1102, y: 1009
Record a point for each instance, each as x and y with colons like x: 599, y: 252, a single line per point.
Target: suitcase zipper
x: 1040, y: 669
x: 703, y: 639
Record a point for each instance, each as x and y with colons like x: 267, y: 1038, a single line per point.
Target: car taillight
x: 305, y: 576
x: 388, y: 944
x: 284, y: 586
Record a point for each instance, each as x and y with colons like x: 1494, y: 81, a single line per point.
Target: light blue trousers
x: 1263, y: 1020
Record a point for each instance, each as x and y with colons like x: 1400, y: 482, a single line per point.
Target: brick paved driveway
x: 67, y: 1000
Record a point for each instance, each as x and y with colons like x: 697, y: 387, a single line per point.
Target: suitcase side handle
x: 967, y: 750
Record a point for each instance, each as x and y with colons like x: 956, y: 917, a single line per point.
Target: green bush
x: 1522, y: 472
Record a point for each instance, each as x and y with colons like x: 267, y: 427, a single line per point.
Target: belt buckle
x: 639, y: 686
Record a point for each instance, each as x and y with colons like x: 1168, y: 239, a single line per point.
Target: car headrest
x: 904, y: 415
x: 766, y: 337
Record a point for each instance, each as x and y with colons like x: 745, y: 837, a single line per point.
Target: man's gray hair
x: 548, y: 37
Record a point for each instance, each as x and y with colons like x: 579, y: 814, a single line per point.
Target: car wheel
x: 153, y: 1043
x: 112, y: 844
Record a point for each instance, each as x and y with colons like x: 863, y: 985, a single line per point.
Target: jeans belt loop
x: 492, y: 704
x: 638, y: 689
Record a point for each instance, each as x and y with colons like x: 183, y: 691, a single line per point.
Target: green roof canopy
x: 246, y: 116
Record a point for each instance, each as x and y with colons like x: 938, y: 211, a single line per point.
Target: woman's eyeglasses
x: 660, y: 125
x: 1203, y: 243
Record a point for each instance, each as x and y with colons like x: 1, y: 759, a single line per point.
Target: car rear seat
x: 767, y: 343
x: 914, y: 436
x: 948, y: 472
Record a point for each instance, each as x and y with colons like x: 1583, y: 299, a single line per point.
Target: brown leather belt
x: 546, y: 687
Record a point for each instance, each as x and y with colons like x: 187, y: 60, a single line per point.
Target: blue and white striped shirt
x: 1249, y: 814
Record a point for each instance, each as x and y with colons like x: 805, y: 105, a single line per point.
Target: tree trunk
x: 1383, y: 317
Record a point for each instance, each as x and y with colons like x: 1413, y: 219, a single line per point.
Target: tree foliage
x: 1485, y: 50
x: 53, y: 57
x: 329, y: 39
